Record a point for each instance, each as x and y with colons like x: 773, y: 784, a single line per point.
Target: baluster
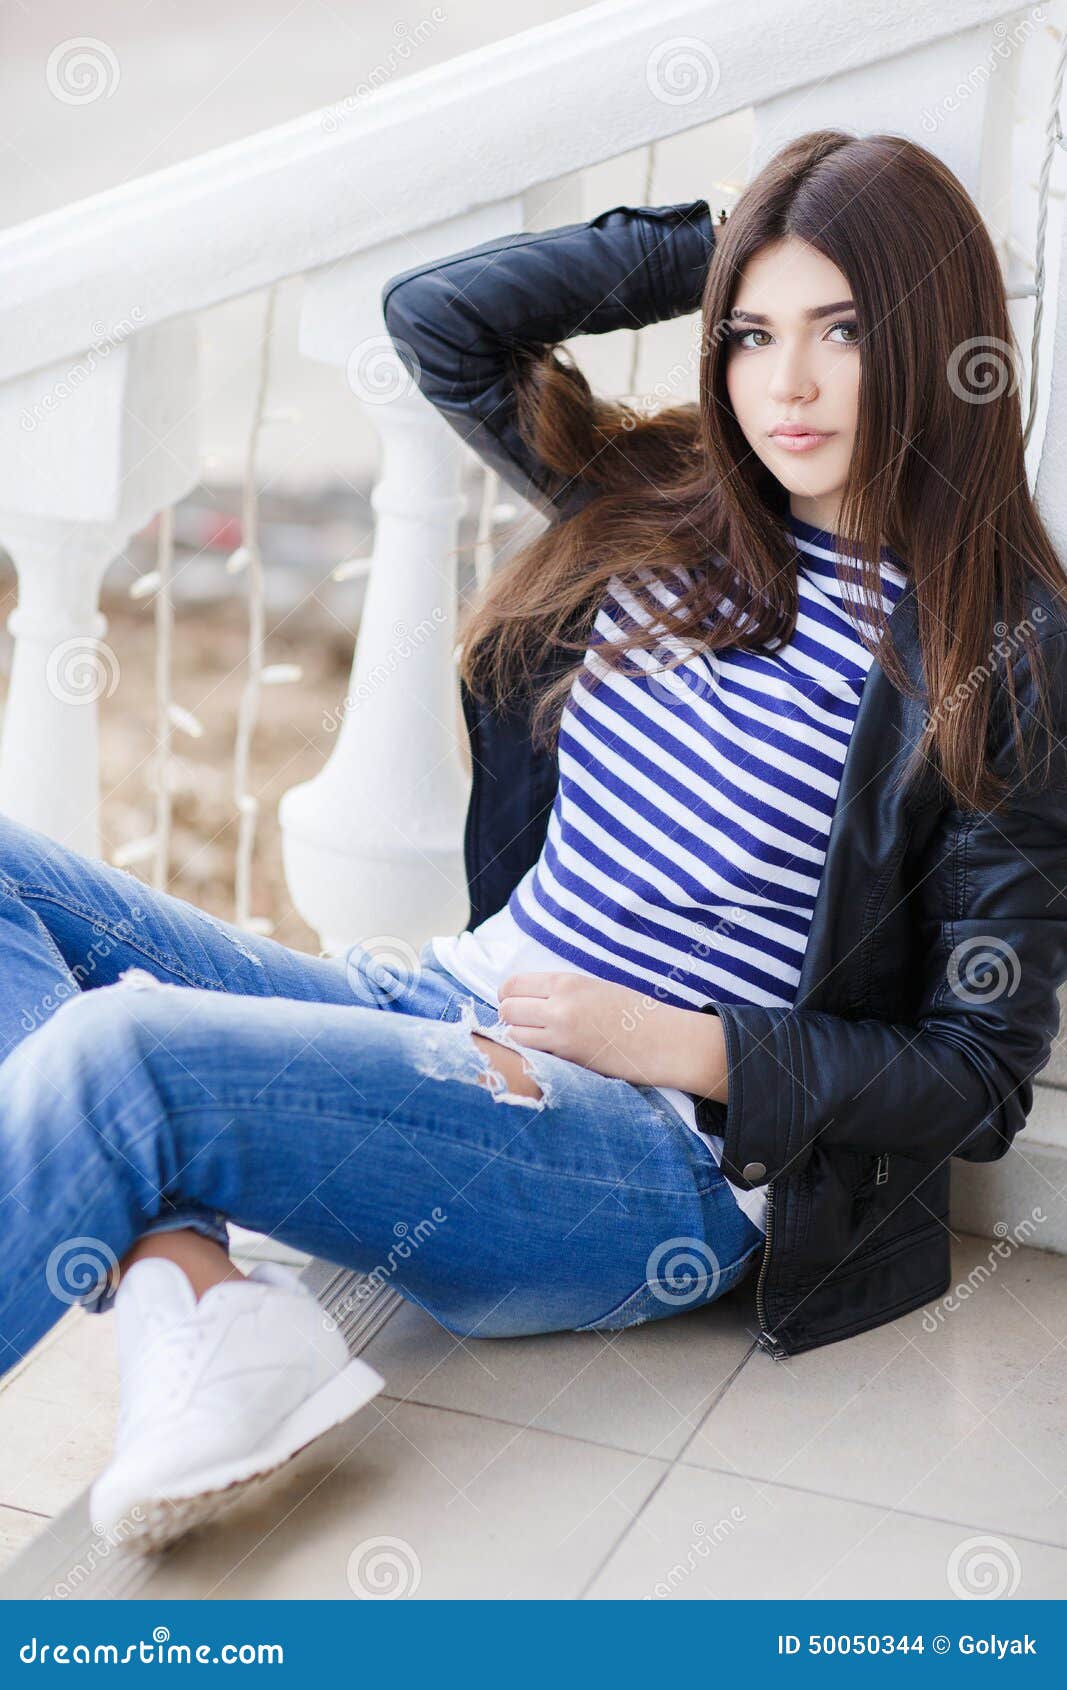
x: 90, y: 450
x: 373, y: 844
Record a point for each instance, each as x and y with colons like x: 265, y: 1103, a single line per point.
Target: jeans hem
x: 194, y: 1220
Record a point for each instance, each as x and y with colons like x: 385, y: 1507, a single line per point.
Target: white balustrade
x: 91, y: 447
x: 373, y: 843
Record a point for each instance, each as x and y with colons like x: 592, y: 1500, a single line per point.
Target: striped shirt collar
x: 822, y: 540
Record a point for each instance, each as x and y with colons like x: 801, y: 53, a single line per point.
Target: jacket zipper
x: 765, y: 1339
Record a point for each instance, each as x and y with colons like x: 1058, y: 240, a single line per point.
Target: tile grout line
x: 524, y: 1425
x: 873, y: 1502
x: 664, y: 1476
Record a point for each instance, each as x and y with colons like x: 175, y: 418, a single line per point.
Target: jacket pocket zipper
x: 765, y: 1339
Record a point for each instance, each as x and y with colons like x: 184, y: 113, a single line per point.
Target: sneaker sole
x: 156, y: 1520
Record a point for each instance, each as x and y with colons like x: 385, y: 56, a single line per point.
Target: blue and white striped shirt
x: 689, y: 828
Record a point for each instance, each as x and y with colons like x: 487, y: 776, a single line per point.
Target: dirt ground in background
x: 291, y: 742
x: 294, y: 736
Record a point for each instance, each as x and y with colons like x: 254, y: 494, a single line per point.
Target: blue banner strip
x: 567, y: 1643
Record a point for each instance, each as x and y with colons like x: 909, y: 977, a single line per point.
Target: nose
x: 791, y: 379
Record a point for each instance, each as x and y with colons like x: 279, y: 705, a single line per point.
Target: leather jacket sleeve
x: 459, y: 322
x: 958, y: 1079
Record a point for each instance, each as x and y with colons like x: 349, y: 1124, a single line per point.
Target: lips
x: 795, y: 437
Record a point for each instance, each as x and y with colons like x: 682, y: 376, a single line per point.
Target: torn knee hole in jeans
x: 452, y: 1054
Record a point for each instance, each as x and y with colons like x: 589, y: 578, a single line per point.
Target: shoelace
x: 183, y: 1344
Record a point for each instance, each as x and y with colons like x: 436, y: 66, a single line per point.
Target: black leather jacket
x: 898, y: 1053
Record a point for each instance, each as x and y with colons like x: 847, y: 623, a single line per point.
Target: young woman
x: 768, y: 722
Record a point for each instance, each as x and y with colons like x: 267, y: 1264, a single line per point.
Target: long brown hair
x: 937, y: 471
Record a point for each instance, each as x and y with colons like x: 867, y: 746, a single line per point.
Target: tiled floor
x: 925, y: 1459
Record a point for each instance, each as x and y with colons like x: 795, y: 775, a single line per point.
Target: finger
x: 526, y: 1012
x: 536, y: 1037
x: 526, y: 985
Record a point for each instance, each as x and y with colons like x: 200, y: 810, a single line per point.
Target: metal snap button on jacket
x: 753, y: 1171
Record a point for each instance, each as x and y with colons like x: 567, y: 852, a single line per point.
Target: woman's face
x: 794, y: 359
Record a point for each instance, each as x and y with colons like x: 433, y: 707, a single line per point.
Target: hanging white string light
x: 248, y: 559
x: 169, y: 773
x: 164, y: 626
x: 156, y: 845
x: 1053, y: 139
x: 487, y: 516
x: 350, y: 567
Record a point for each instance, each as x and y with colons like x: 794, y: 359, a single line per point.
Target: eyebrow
x: 811, y: 316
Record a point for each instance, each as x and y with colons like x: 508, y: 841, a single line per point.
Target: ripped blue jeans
x: 161, y: 1068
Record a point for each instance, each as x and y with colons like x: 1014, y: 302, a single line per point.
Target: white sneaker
x: 215, y: 1394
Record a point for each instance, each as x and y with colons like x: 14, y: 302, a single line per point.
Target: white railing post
x: 61, y: 668
x: 373, y: 844
x: 90, y: 450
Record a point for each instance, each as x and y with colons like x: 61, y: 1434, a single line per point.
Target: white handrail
x: 475, y: 130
